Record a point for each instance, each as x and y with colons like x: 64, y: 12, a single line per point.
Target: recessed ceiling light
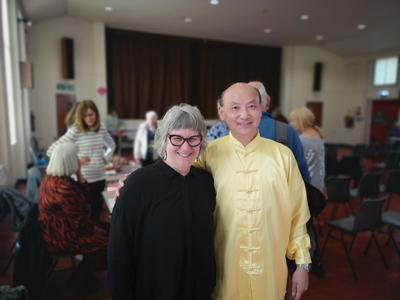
x: 319, y: 37
x: 362, y: 26
x: 214, y: 2
x: 305, y: 17
x: 108, y: 8
x: 187, y: 20
x: 267, y: 30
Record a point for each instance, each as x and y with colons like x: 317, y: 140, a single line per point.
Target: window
x: 385, y: 72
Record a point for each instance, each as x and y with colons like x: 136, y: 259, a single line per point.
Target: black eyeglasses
x: 177, y: 140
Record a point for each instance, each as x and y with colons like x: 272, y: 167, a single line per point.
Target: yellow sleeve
x: 299, y: 241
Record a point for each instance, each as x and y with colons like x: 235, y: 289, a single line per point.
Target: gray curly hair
x: 180, y: 116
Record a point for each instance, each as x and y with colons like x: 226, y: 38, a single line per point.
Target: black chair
x: 350, y: 165
x: 337, y: 191
x: 331, y: 151
x: 371, y: 150
x: 385, y: 149
x: 368, y: 186
x: 392, y: 220
x: 367, y: 218
x: 391, y: 162
x: 331, y: 163
x: 391, y: 186
x: 359, y: 150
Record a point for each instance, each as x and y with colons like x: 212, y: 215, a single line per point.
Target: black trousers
x: 95, y: 198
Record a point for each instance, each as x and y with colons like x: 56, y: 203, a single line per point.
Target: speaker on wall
x: 317, y: 76
x: 67, y: 54
x: 26, y: 70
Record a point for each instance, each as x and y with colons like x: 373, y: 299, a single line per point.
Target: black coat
x: 32, y: 260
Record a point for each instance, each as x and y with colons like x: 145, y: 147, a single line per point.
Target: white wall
x: 44, y: 50
x: 345, y: 85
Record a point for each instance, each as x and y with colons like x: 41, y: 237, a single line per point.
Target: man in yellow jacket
x: 261, y: 210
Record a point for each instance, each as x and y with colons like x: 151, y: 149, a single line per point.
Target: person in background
x: 112, y: 121
x: 143, y: 147
x: 161, y: 239
x: 267, y: 129
x: 394, y: 130
x: 64, y: 223
x: 218, y: 130
x: 112, y: 125
x: 302, y: 120
x: 90, y: 135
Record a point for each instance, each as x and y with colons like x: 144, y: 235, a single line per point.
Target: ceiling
x: 244, y: 21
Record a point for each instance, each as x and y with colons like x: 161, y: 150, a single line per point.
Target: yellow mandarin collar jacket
x: 260, y: 216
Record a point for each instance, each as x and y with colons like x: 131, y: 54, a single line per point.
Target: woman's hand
x: 121, y: 183
x: 84, y: 160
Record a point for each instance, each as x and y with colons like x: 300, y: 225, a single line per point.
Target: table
x: 125, y: 169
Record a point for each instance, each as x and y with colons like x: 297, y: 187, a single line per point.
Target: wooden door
x: 383, y: 114
x: 316, y: 108
x: 64, y: 105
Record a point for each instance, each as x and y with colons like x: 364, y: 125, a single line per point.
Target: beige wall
x: 345, y: 85
x: 44, y: 50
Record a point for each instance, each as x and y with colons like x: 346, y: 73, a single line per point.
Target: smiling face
x: 89, y: 117
x: 241, y: 111
x: 180, y: 158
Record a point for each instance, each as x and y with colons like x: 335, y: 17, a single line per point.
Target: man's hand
x: 299, y: 283
x: 121, y: 183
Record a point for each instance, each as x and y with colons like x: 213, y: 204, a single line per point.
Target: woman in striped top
x: 90, y: 136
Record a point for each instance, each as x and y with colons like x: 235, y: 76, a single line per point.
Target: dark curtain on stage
x: 154, y: 72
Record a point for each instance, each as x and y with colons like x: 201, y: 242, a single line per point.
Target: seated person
x: 65, y: 224
x: 143, y: 148
x: 218, y: 130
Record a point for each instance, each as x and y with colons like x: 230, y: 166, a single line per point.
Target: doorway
x: 383, y: 114
x: 316, y: 109
x: 64, y: 104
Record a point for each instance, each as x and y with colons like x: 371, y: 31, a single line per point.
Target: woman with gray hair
x: 64, y: 221
x: 161, y: 239
x: 143, y: 148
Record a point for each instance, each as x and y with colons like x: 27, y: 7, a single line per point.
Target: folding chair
x: 337, y: 191
x: 368, y: 187
x: 391, y: 186
x: 367, y: 218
